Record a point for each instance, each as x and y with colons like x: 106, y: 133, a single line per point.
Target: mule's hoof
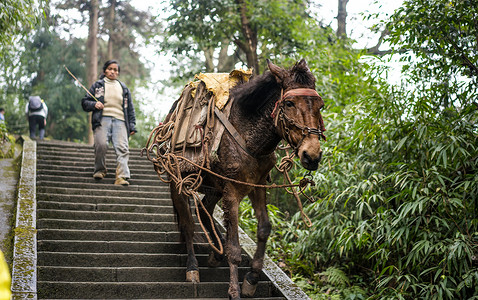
x: 212, y: 261
x: 192, y: 276
x: 248, y: 289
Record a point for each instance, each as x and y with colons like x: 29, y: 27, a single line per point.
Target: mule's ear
x: 302, y: 64
x: 278, y: 72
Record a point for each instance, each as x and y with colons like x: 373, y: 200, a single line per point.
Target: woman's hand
x: 99, y: 105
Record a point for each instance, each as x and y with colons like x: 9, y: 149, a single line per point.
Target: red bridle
x: 304, y: 92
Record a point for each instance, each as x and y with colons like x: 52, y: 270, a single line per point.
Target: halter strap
x: 300, y: 92
x: 305, y: 92
x: 292, y: 93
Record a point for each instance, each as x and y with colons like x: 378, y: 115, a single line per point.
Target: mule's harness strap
x: 232, y: 130
x: 279, y: 115
x: 301, y: 92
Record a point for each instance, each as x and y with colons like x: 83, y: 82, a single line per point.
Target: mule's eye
x: 289, y: 104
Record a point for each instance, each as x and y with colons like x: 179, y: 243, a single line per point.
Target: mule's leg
x: 233, y: 248
x: 258, y: 199
x: 211, y: 197
x: 186, y: 227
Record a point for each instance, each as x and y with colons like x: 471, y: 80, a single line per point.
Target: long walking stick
x: 80, y: 83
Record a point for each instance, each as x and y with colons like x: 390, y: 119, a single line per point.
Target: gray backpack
x: 35, y: 103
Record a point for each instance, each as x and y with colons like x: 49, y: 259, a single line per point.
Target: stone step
x: 85, y: 161
x: 97, y: 215
x: 107, y: 235
x: 134, y: 274
x: 86, y: 259
x: 107, y: 225
x: 88, y: 180
x: 93, y: 184
x: 90, y: 168
x: 118, y: 246
x: 142, y: 290
x: 68, y: 174
x: 73, y: 147
x: 162, y: 200
x: 76, y: 147
x: 115, y: 191
x: 105, y: 207
x: 62, y: 154
x: 260, y: 298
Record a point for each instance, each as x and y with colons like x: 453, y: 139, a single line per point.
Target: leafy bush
x: 7, y: 142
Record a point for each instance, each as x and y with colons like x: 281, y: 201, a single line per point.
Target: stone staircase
x: 96, y: 240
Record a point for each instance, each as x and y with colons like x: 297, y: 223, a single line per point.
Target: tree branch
x: 374, y: 50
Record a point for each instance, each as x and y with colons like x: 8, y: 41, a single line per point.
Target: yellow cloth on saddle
x: 220, y: 84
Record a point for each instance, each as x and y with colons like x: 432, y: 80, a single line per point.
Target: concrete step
x: 113, y: 207
x: 97, y: 215
x: 61, y: 154
x: 106, y: 225
x: 73, y: 147
x: 261, y: 298
x: 162, y: 200
x: 141, y: 290
x: 68, y: 174
x: 90, y: 168
x: 108, y: 180
x: 114, y: 191
x: 133, y: 274
x: 118, y: 246
x: 108, y: 235
x: 86, y: 259
x: 93, y: 184
x: 86, y: 161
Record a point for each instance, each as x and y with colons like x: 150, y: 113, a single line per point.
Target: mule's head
x: 297, y: 113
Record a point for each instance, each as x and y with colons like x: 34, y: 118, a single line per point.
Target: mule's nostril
x: 307, y: 157
x: 310, y: 163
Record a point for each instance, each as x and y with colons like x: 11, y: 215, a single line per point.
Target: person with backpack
x: 36, y: 111
x: 113, y: 119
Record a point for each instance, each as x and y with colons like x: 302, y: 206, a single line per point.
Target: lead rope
x: 284, y: 167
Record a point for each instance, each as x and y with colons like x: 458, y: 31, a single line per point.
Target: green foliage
x: 7, y: 143
x: 40, y: 70
x: 43, y: 60
x: 282, y: 27
x: 441, y: 35
x: 17, y: 18
x: 397, y: 190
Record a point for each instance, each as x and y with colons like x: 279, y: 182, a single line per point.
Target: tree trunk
x: 111, y: 27
x: 249, y: 46
x: 226, y: 62
x: 92, y: 48
x: 342, y: 19
x: 208, y: 55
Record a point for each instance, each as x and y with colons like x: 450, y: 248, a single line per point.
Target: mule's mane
x: 254, y: 95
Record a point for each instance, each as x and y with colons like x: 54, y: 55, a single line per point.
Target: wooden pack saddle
x: 202, y: 111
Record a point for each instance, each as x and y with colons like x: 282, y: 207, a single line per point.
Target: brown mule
x: 280, y: 104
